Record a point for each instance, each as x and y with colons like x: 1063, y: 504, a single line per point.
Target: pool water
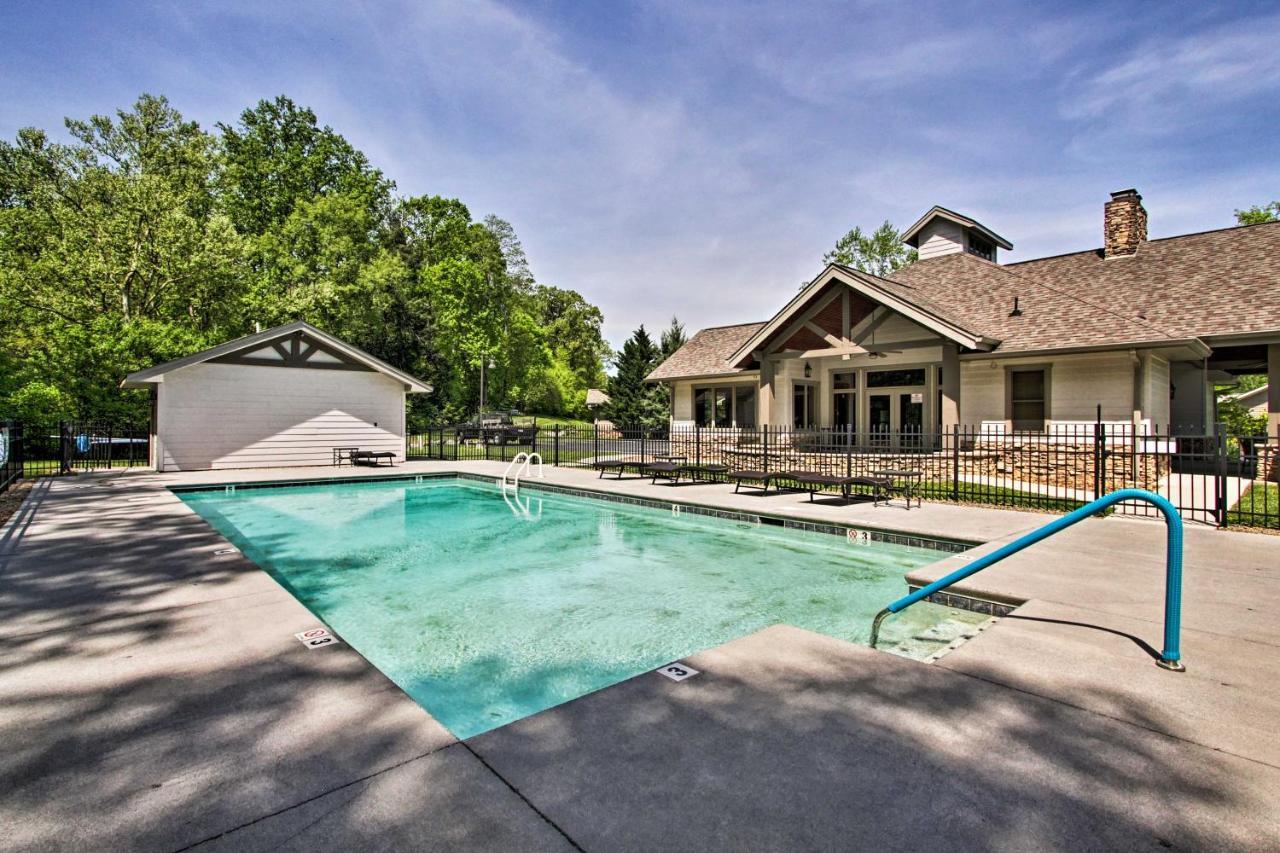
x: 485, y: 610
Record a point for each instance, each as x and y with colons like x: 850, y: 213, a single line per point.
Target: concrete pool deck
x: 153, y: 697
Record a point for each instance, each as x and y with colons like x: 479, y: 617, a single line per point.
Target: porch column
x: 950, y: 386
x: 1273, y: 388
x: 764, y: 402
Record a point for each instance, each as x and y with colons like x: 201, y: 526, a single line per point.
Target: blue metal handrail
x: 1169, y: 656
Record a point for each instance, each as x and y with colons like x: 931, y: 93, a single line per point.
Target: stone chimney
x: 1124, y: 224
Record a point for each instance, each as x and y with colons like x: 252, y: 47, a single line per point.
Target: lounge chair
x: 669, y: 471
x: 710, y: 472
x: 814, y: 481
x: 616, y: 465
x: 753, y: 479
x: 371, y: 457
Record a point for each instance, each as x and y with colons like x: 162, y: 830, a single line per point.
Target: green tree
x: 879, y: 253
x: 277, y: 155
x: 112, y: 255
x: 1256, y: 215
x: 632, y: 402
x: 673, y: 338
x: 145, y: 238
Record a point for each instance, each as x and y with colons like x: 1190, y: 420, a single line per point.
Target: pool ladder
x: 520, y: 466
x: 1170, y: 657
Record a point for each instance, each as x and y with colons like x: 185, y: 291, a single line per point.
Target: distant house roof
x: 596, y: 397
x: 265, y: 341
x: 1174, y: 291
x: 706, y: 353
x: 912, y: 235
x: 1252, y: 399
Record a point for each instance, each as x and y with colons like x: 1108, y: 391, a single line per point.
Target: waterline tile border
x: 872, y: 534
x: 965, y: 602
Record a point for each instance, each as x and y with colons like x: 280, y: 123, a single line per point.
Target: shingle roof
x: 706, y: 353
x: 980, y: 294
x: 1215, y: 282
x: 1211, y: 283
x: 1196, y: 285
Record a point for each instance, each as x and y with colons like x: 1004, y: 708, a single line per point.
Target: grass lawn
x: 975, y: 493
x: 551, y: 422
x: 1259, y: 506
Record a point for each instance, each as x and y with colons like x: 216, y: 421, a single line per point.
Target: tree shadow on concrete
x: 797, y: 744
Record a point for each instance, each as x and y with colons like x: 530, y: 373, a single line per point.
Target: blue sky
x: 697, y: 159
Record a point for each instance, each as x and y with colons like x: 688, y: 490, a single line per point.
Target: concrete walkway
x: 153, y: 697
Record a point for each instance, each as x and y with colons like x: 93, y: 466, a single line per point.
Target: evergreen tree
x: 632, y: 403
x: 673, y: 338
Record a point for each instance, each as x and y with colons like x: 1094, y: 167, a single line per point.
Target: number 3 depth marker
x: 677, y: 671
x: 317, y: 637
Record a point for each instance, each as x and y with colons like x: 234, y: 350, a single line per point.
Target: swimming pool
x: 485, y: 610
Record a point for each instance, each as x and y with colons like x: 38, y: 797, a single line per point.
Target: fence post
x: 1100, y: 487
x: 848, y: 450
x: 697, y: 444
x: 955, y: 462
x: 555, y: 452
x: 64, y: 447
x: 1220, y: 476
x: 643, y: 430
x: 595, y: 445
x: 764, y: 461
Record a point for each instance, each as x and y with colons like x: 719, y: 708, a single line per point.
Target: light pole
x: 483, y: 360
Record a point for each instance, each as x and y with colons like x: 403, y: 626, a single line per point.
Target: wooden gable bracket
x: 292, y: 354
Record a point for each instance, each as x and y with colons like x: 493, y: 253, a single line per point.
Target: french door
x: 895, y: 417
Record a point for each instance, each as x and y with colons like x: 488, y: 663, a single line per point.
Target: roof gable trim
x: 866, y: 286
x: 287, y: 342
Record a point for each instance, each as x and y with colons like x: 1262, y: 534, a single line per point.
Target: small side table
x: 343, y: 454
x: 904, y: 482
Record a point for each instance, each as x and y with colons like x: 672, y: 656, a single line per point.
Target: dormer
x: 945, y: 232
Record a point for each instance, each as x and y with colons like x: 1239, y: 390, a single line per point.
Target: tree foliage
x: 879, y: 253
x: 633, y: 403
x: 1256, y: 215
x: 144, y: 238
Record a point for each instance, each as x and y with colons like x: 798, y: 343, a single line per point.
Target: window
x: 730, y: 405
x: 744, y: 406
x: 895, y: 378
x: 982, y: 248
x: 844, y: 408
x: 804, y: 405
x: 1027, y: 399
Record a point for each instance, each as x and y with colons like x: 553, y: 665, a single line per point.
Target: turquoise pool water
x: 485, y: 615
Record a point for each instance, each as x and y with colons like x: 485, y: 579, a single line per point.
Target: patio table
x: 904, y: 481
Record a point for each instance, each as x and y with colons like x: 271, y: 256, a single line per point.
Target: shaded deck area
x: 153, y: 697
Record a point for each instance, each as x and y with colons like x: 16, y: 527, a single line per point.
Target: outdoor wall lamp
x: 808, y: 370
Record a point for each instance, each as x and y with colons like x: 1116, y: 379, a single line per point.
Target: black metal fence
x: 1216, y: 479
x: 66, y: 447
x: 10, y: 454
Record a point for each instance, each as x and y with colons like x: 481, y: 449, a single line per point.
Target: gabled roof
x: 894, y: 295
x: 705, y: 354
x: 258, y: 341
x: 911, y: 235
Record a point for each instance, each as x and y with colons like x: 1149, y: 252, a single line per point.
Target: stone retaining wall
x: 1060, y: 465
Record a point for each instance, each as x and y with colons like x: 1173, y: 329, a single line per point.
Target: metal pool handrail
x: 1169, y: 656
